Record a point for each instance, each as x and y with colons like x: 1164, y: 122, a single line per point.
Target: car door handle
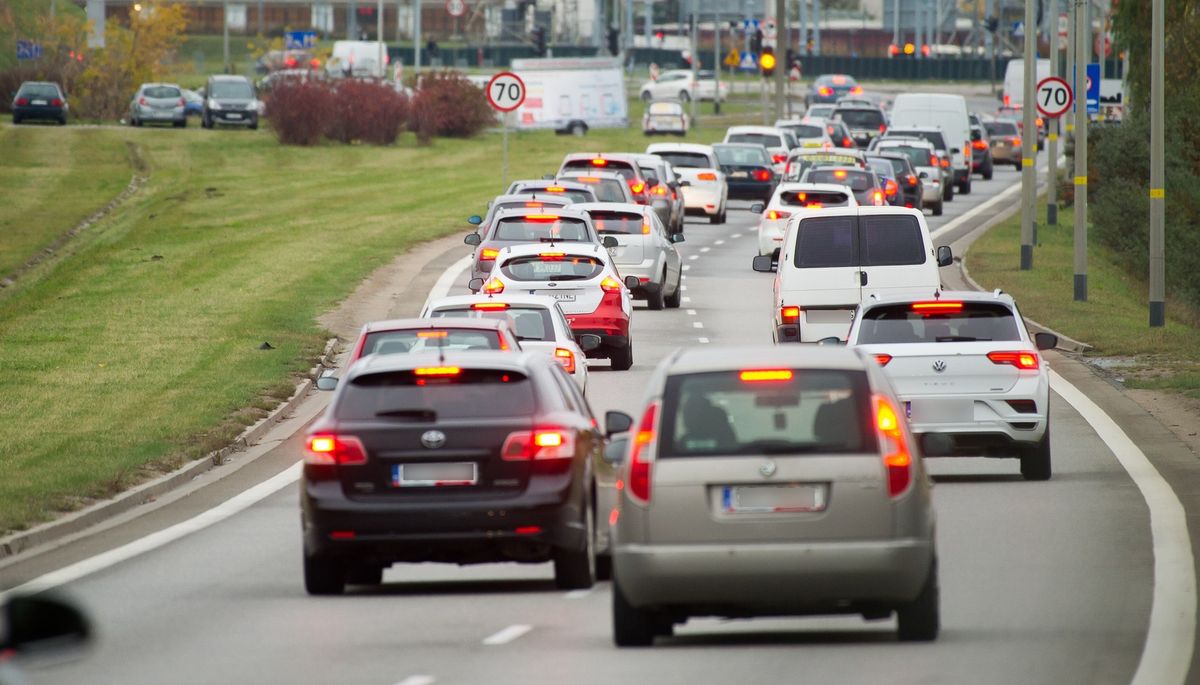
x: 862, y: 278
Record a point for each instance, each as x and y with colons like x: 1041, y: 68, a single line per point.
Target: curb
x: 43, y: 534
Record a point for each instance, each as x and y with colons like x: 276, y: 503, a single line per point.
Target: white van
x: 1014, y: 81
x: 947, y: 112
x: 833, y: 259
x: 357, y: 58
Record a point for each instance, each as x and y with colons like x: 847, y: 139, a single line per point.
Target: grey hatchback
x: 787, y: 486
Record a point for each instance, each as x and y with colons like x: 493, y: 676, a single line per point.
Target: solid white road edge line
x: 577, y: 594
x: 153, y: 541
x: 441, y: 288
x: 1003, y: 196
x: 1167, y: 653
x: 507, y: 635
x: 417, y: 680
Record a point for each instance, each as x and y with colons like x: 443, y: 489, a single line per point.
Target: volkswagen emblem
x: 767, y: 470
x: 939, y: 366
x: 433, y: 439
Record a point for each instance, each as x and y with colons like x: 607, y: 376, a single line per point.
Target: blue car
x: 194, y: 104
x: 829, y: 88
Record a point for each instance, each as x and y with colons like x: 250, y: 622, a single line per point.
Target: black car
x: 864, y: 183
x: 463, y: 458
x: 909, y: 192
x: 831, y: 88
x: 40, y: 100
x: 230, y: 100
x: 865, y: 123
x: 981, y: 152
x: 748, y: 171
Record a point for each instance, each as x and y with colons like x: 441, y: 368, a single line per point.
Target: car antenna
x: 937, y: 294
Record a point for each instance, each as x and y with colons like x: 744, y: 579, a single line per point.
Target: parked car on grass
x: 40, y: 100
x: 160, y: 103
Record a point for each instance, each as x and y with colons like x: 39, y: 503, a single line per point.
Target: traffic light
x: 539, y: 41
x: 766, y: 61
x: 991, y: 24
x: 613, y: 48
x: 756, y: 39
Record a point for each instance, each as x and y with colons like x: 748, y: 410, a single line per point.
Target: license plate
x: 561, y: 297
x: 828, y: 315
x: 434, y: 475
x: 233, y: 115
x: 38, y: 102
x: 773, y: 499
x: 941, y: 411
x: 739, y: 174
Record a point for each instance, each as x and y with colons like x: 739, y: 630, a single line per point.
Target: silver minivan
x: 769, y: 481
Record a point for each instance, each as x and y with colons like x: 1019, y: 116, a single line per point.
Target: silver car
x: 768, y: 481
x: 644, y: 249
x: 161, y: 103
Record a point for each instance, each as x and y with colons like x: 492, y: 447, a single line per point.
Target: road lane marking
x: 966, y: 216
x: 719, y: 242
x: 736, y: 235
x: 697, y: 324
x: 507, y: 635
x: 163, y: 537
x: 705, y: 249
x: 691, y: 312
x: 417, y: 680
x: 441, y: 287
x: 577, y: 594
x: 685, y: 267
x: 686, y: 299
x: 1167, y: 653
x: 703, y: 340
x: 695, y: 256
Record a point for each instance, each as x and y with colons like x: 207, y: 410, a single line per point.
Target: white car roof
x: 575, y: 248
x: 589, y: 173
x: 765, y: 130
x: 703, y: 358
x: 866, y: 210
x: 949, y: 295
x: 931, y: 129
x: 514, y: 299
x: 816, y: 187
x: 629, y: 207
x: 679, y: 147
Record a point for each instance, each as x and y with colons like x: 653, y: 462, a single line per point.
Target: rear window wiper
x: 423, y: 415
x: 959, y: 338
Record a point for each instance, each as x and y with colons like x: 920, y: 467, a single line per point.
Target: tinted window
x: 568, y: 194
x: 163, y: 92
x: 233, y: 90
x: 398, y: 342
x: 1000, y: 128
x: 535, y: 230
x: 882, y: 167
x: 806, y: 130
x: 755, y: 139
x: 619, y: 223
x: 685, y: 160
x: 538, y: 268
x: 530, y: 322
x: 529, y: 205
x: 39, y: 90
x: 975, y: 321
x: 607, y: 189
x: 404, y: 396
x: 934, y: 137
x: 815, y: 411
x: 741, y: 156
x: 855, y: 180
x: 825, y: 242
x: 891, y: 240
x: 917, y: 156
x: 861, y: 118
x: 809, y: 198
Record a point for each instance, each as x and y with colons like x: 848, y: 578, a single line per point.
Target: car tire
x: 575, y: 569
x: 1017, y: 165
x: 684, y: 97
x: 947, y: 192
x: 920, y: 620
x: 1035, y: 459
x: 656, y: 301
x: 324, y: 576
x: 604, y: 567
x: 990, y: 170
x: 964, y: 188
x: 364, y: 574
x: 632, y: 627
x: 205, y: 121
x: 622, y: 357
x: 62, y: 121
x: 717, y: 218
x: 646, y: 97
x: 254, y: 124
x: 675, y: 298
x: 937, y: 209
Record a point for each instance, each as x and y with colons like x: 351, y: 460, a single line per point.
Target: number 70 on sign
x: 506, y: 91
x: 1054, y: 97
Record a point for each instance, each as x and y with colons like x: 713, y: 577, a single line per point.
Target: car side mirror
x: 609, y: 241
x: 954, y: 151
x: 923, y: 174
x: 1045, y: 341
x: 764, y: 263
x: 475, y: 284
x: 832, y: 340
x: 684, y: 183
x: 614, y: 451
x: 944, y: 256
x: 327, y: 382
x: 632, y: 282
x: 42, y: 623
x: 757, y: 208
x: 937, y: 444
x: 677, y: 238
x: 474, y: 220
x: 472, y: 239
x: 617, y: 422
x: 588, y: 342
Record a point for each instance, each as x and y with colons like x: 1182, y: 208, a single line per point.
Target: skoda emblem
x: 767, y: 470
x: 939, y: 366
x: 433, y: 439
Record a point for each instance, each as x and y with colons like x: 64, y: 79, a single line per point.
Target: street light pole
x: 416, y: 38
x: 1028, y: 140
x: 1051, y: 23
x: 1082, y: 33
x: 717, y: 63
x: 782, y: 39
x: 1158, y: 196
x: 225, y: 33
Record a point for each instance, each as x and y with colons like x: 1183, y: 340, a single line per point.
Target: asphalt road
x: 1041, y: 582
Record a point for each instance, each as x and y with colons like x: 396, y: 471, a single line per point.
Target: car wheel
x: 1035, y: 459
x: 364, y: 574
x: 632, y: 627
x: 717, y: 218
x: 655, y: 301
x: 578, y: 129
x: 254, y: 124
x: 1017, y: 165
x: 575, y: 569
x: 622, y: 357
x: 964, y: 188
x: 604, y: 567
x: 684, y: 97
x: 919, y: 620
x: 676, y: 298
x: 16, y: 120
x: 205, y: 121
x: 323, y: 575
x: 62, y: 121
x: 989, y: 172
x: 947, y: 192
x: 646, y: 96
x: 937, y: 209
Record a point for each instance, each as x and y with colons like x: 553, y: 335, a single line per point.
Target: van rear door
x: 819, y: 273
x: 895, y: 253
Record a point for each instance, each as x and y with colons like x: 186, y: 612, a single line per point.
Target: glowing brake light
x: 599, y: 162
x: 1027, y: 361
x: 485, y: 306
x: 846, y: 142
x: 883, y: 359
x: 555, y: 189
x: 777, y: 158
x: 856, y: 90
x: 979, y: 145
x: 610, y: 285
x: 912, y: 180
x: 945, y: 162
x: 813, y: 205
x: 776, y: 214
x: 933, y: 160
x: 839, y: 174
x: 535, y: 205
x: 660, y: 189
x: 897, y: 459
x: 543, y: 443
x: 637, y: 187
x: 937, y: 307
x: 329, y: 449
x: 789, y: 314
x: 640, y: 462
x: 540, y: 217
x: 706, y: 176
x: 762, y: 175
x: 488, y: 254
x: 142, y: 101
x: 766, y: 375
x: 566, y: 358
x: 645, y: 229
x: 432, y: 334
x: 552, y: 256
x: 825, y: 91
x: 890, y: 187
x: 437, y: 371
x: 877, y: 198
x: 493, y: 286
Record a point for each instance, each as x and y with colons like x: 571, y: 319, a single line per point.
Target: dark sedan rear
x: 40, y: 100
x: 748, y: 171
x: 463, y: 458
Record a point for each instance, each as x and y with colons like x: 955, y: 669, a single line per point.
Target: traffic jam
x: 465, y: 436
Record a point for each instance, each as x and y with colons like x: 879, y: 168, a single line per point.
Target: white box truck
x: 1014, y: 80
x: 357, y: 58
x: 571, y: 95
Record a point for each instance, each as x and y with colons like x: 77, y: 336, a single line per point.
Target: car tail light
x: 856, y: 90
x: 599, y: 162
x: 182, y: 102
x: 776, y: 214
x: 928, y: 308
x: 766, y: 375
x: 825, y: 91
x: 142, y: 101
x: 777, y: 158
x: 645, y: 229
x: 789, y: 314
x: 541, y: 217
x: 432, y: 334
x: 813, y: 205
x: 1027, y: 361
x: 933, y: 160
x: 21, y: 102
x: 883, y: 128
x: 660, y: 189
x: 891, y: 188
x: 912, y: 180
x: 610, y: 285
x: 488, y: 254
x: 846, y: 142
x: 945, y: 162
x: 490, y: 306
x: 877, y: 198
x: 56, y: 102
x: 893, y: 49
x: 437, y: 371
x: 566, y: 358
x: 979, y: 145
x: 762, y: 175
x: 555, y: 189
x: 897, y: 459
x: 636, y: 186
x: 1015, y: 141
x: 882, y: 359
x: 315, y: 63
x: 787, y: 168
x: 706, y: 176
x: 535, y: 205
x: 1007, y: 100
x: 493, y: 286
x: 331, y: 449
x: 541, y: 443
x: 552, y: 256
x: 640, y: 462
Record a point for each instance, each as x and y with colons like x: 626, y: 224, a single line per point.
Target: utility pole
x: 352, y: 20
x: 990, y: 39
x: 225, y: 33
x: 1051, y: 24
x: 895, y: 20
x: 695, y: 99
x: 1028, y: 140
x: 416, y: 38
x: 260, y: 17
x: 1071, y: 77
x: 1082, y: 33
x: 816, y: 15
x: 717, y: 63
x: 783, y: 39
x: 1158, y: 189
x: 379, y: 37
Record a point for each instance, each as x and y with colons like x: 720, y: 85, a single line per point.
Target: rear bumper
x: 228, y: 118
x: 151, y: 114
x: 779, y: 577
x: 50, y: 113
x: 701, y: 199
x: 750, y: 190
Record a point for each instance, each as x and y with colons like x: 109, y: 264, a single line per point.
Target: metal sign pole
x: 1158, y: 190
x: 1082, y: 33
x: 1028, y: 141
x: 717, y: 63
x: 1052, y: 191
x: 504, y: 154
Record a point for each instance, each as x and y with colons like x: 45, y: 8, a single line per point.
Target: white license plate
x: 739, y: 174
x: 941, y: 411
x: 828, y: 315
x: 38, y: 102
x: 773, y: 499
x: 561, y: 297
x: 233, y: 115
x: 434, y: 475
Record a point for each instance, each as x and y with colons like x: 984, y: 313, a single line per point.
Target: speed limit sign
x: 506, y: 91
x: 1053, y: 97
x: 456, y: 8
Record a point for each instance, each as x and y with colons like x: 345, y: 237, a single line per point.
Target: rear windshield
x: 882, y: 166
x: 891, y: 240
x: 569, y: 194
x: 934, y: 137
x: 530, y: 322
x: 901, y: 323
x: 622, y: 168
x: 755, y: 139
x: 619, y: 223
x: 813, y: 199
x: 826, y: 242
x: 806, y: 130
x: 528, y: 204
x: 686, y: 160
x: 837, y: 80
x: 607, y: 189
x: 405, y: 396
x: 855, y: 180
x: 672, y: 108
x: 546, y: 268
x: 820, y: 411
x: 40, y: 90
x: 393, y: 342
x: 1000, y: 128
x: 841, y: 241
x: 741, y: 156
x: 163, y: 92
x: 860, y: 118
x: 234, y: 90
x: 917, y: 156
x: 525, y: 229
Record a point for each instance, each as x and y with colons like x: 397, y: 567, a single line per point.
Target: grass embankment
x: 138, y: 347
x: 1115, y: 317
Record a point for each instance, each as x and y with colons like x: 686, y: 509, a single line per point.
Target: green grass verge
x: 1115, y: 317
x: 138, y: 348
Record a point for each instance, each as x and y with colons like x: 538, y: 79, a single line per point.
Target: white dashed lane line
x: 719, y: 242
x: 507, y: 635
x: 703, y: 340
x: 705, y: 249
x: 418, y: 680
x: 577, y: 594
x: 691, y: 312
x: 695, y: 256
x: 697, y: 324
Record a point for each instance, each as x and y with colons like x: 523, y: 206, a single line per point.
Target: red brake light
x: 636, y: 186
x: 21, y: 102
x: 535, y: 205
x: 432, y: 334
x: 56, y: 102
x: 490, y: 305
x: 141, y: 101
x: 566, y: 358
x: 315, y: 63
x: 329, y: 449
x: 645, y: 229
x: 555, y: 189
x: 182, y: 102
x: 813, y: 205
x: 777, y: 158
x: 890, y: 188
x: 488, y: 254
x: 896, y: 457
x: 825, y: 91
x: 493, y: 287
x: 883, y: 359
x: 789, y: 314
x: 610, y: 285
x: 762, y: 175
x: 912, y: 180
x: 552, y: 256
x: 840, y: 173
x: 945, y: 162
x: 639, y: 464
x: 1022, y: 360
x: 706, y: 176
x: 979, y: 145
x: 775, y: 214
x: 437, y: 371
x: 542, y: 443
x: 893, y: 49
x: 599, y: 162
x: 877, y: 197
x: 937, y: 307
x: 846, y: 142
x: 766, y: 375
x: 540, y: 217
x: 856, y: 90
x: 933, y: 160
x: 883, y: 128
x: 660, y: 189
x: 1015, y: 141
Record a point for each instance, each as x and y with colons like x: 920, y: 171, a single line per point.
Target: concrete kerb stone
x: 24, y: 541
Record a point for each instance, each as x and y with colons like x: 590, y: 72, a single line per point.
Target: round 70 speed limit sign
x: 506, y: 91
x: 1053, y: 96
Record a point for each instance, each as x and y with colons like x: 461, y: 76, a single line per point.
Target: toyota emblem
x: 433, y: 439
x: 939, y: 366
x: 767, y: 470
